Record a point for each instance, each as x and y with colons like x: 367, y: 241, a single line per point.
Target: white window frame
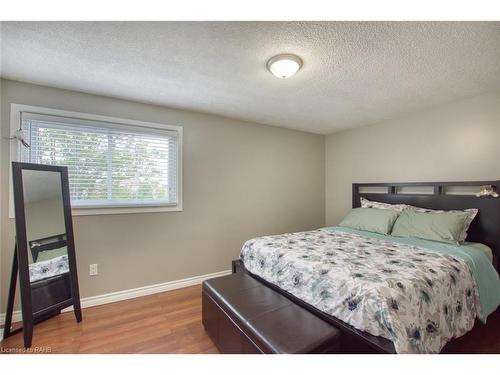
x: 15, y: 118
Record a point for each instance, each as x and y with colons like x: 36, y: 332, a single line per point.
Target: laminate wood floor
x: 170, y: 322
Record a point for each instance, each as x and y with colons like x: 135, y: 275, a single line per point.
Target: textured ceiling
x: 354, y: 73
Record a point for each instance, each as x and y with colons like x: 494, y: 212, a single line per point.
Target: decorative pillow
x: 471, y: 214
x: 370, y: 219
x: 51, y: 254
x: 436, y: 226
x: 365, y: 203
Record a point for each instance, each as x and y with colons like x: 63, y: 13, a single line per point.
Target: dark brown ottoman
x: 242, y: 315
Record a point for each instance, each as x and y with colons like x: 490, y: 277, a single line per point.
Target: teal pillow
x: 370, y: 219
x: 51, y: 254
x: 435, y: 226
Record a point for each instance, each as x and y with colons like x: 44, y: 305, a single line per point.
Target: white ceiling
x: 354, y: 73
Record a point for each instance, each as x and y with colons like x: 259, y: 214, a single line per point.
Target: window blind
x: 109, y: 165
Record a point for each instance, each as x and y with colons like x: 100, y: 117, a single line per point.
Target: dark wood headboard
x: 47, y: 243
x: 443, y: 196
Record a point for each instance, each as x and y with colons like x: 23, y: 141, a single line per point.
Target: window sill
x: 75, y: 211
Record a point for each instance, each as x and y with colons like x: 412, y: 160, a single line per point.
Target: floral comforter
x: 48, y: 268
x: 417, y: 298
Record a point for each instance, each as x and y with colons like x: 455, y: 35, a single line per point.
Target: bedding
x: 419, y: 294
x: 470, y: 212
x: 474, y: 246
x: 370, y: 219
x: 365, y: 203
x: 49, y: 254
x: 48, y: 268
x: 442, y: 226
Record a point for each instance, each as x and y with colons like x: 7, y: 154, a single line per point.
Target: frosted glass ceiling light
x: 284, y: 66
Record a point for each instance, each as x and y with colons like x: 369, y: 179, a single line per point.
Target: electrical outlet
x: 93, y: 270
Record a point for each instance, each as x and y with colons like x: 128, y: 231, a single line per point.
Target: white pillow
x: 365, y: 203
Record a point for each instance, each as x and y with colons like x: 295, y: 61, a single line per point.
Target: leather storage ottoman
x: 242, y: 315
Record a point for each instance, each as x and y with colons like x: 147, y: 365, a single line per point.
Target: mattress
x: 486, y: 250
x: 414, y: 293
x: 48, y: 268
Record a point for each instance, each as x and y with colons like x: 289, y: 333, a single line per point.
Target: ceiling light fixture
x: 284, y: 65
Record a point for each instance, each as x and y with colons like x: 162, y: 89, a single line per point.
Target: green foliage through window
x: 108, y: 166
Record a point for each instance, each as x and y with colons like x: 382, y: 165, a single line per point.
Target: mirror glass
x: 45, y: 225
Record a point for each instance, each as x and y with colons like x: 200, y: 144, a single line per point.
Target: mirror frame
x: 21, y: 263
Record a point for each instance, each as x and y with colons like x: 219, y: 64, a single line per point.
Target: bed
x: 400, y: 295
x: 48, y: 268
x: 49, y: 272
x: 50, y: 257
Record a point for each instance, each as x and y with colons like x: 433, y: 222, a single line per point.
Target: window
x: 110, y: 164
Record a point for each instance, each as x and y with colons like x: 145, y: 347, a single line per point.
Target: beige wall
x: 44, y: 218
x: 453, y: 143
x: 240, y: 180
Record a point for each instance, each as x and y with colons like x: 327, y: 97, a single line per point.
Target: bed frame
x: 50, y: 291
x: 443, y: 196
x: 46, y: 244
x: 434, y: 195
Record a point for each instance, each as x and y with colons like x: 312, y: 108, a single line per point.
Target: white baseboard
x: 131, y: 293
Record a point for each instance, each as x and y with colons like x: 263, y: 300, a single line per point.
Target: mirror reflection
x: 45, y: 225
